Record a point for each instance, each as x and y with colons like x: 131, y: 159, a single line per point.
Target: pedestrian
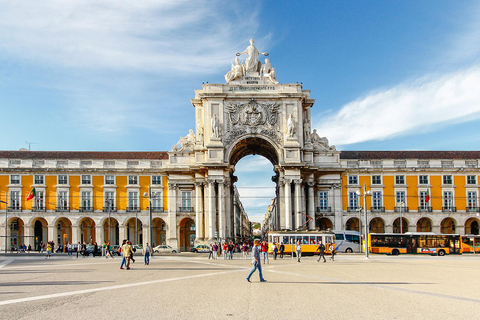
x: 95, y: 248
x: 321, y: 248
x: 275, y: 250
x: 210, y: 253
x: 29, y: 248
x: 109, y: 251
x: 298, y: 249
x: 127, y: 253
x: 120, y: 251
x: 244, y: 250
x: 231, y: 247
x: 333, y: 251
x: 214, y: 251
x: 282, y: 249
x: 257, y: 264
x: 69, y: 248
x: 132, y: 251
x: 146, y: 251
x: 49, y: 251
x: 79, y: 248
x: 264, y: 247
x: 104, y: 248
x: 225, y: 250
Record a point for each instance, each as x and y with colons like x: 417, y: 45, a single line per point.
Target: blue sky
x: 118, y: 75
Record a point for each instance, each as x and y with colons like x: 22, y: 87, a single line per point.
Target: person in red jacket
x: 264, y: 246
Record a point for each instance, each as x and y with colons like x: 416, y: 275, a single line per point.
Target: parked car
x: 114, y: 250
x: 200, y: 248
x: 89, y: 250
x: 137, y: 248
x: 163, y: 248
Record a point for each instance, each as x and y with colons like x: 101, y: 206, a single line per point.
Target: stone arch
x: 40, y: 231
x: 323, y: 223
x: 63, y: 228
x: 352, y: 224
x: 134, y: 230
x: 377, y: 225
x: 448, y: 225
x: 187, y: 234
x: 472, y: 226
x: 253, y: 145
x: 87, y: 230
x: 424, y: 225
x: 396, y: 225
x: 111, y: 231
x: 16, y: 232
x: 159, y: 231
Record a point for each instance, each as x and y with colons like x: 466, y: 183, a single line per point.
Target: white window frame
x: 106, y: 180
x: 153, y: 181
x: 400, y: 177
x: 84, y: 180
x: 132, y: 178
x: 448, y: 199
x: 38, y: 182
x: 351, y: 177
x: 420, y: 179
x: 444, y: 179
x: 377, y: 200
x: 133, y: 197
x: 15, y: 175
x: 472, y: 199
x: 353, y: 200
x: 86, y: 200
x: 66, y: 179
x: 60, y: 197
x: 323, y: 200
x: 187, y: 200
x: 474, y: 178
x: 380, y: 180
x: 15, y: 202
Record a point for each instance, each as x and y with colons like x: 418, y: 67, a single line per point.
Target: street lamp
x: 365, y: 194
x: 402, y: 204
x: 150, y: 210
x: 109, y: 205
x: 6, y: 220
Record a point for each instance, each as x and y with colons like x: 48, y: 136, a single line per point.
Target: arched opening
x: 134, y: 229
x: 17, y: 233
x: 448, y: 226
x: 64, y: 231
x: 254, y: 159
x: 40, y: 231
x: 472, y: 226
x: 377, y: 225
x: 352, y: 224
x: 424, y: 225
x: 110, y: 231
x: 87, y: 231
x: 323, y: 224
x: 396, y: 225
x: 187, y: 234
x: 159, y: 232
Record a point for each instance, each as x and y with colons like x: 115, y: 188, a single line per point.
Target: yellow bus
x: 414, y: 243
x: 308, y: 239
x: 470, y: 243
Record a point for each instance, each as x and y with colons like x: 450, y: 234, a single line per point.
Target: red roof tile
x: 90, y: 155
x: 379, y: 155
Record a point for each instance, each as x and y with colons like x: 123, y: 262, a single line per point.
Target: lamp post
x: 365, y: 194
x: 150, y: 213
x: 109, y: 203
x: 402, y: 204
x: 6, y: 220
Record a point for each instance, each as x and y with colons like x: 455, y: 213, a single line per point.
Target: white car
x: 163, y: 248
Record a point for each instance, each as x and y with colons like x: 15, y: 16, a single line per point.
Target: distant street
x: 189, y: 286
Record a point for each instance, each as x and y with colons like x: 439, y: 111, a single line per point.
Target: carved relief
x: 252, y: 117
x: 320, y: 144
x: 185, y: 144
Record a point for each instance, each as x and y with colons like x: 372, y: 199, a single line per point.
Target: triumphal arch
x: 253, y: 114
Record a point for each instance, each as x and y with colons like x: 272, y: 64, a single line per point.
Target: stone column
x: 288, y: 204
x: 172, y: 216
x: 298, y: 204
x: 51, y: 234
x: 281, y: 204
x: 221, y: 209
x: 199, y: 234
x: 337, y: 207
x: 75, y: 234
x: 122, y: 233
x: 311, y: 205
x: 228, y: 210
x: 236, y: 220
x: 146, y: 234
x: 212, y: 210
x: 99, y: 234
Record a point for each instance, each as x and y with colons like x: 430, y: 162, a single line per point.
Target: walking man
x: 282, y: 249
x: 321, y: 248
x: 146, y: 251
x: 257, y: 264
x: 332, y: 251
x: 298, y: 249
x: 264, y: 247
x: 127, y: 251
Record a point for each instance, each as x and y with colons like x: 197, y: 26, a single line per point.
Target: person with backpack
x: 282, y: 249
x: 321, y: 248
x: 333, y: 251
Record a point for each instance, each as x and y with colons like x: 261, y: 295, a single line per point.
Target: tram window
x: 292, y: 239
x: 269, y: 238
x: 319, y: 238
x: 339, y: 236
x: 328, y: 239
x: 275, y: 239
x: 352, y: 238
x: 285, y: 239
x: 305, y: 240
x: 312, y: 239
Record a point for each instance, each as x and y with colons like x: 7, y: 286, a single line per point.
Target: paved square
x: 189, y: 286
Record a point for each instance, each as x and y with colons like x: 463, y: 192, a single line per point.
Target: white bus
x: 347, y: 241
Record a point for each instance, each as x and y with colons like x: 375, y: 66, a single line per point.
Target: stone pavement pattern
x: 189, y: 286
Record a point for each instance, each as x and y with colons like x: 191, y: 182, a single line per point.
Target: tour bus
x: 347, y: 241
x: 308, y: 239
x: 471, y: 243
x: 415, y: 243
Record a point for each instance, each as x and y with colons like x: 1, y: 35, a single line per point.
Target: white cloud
x: 418, y: 106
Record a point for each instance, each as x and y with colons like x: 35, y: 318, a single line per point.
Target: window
x: 86, y: 179
x: 422, y: 179
x: 423, y: 163
x: 353, y: 200
x: 39, y: 200
x: 186, y: 200
x: 471, y: 163
x: 447, y: 164
x: 400, y: 163
x: 400, y: 179
x: 62, y: 179
x: 448, y: 199
x: 15, y: 179
x: 86, y: 200
x: 323, y: 200
x: 109, y: 179
x: 15, y: 200
x: 471, y: 179
x: 157, y: 201
x: 423, y: 200
x: 377, y: 200
x: 39, y: 179
x: 62, y: 200
x: 109, y: 200
x: 376, y: 179
x: 472, y: 200
x: 132, y: 201
x: 376, y: 163
x: 353, y: 179
x: 132, y: 179
x: 400, y: 198
x: 447, y: 179
x: 157, y: 180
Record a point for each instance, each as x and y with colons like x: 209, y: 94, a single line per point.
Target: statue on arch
x: 215, y: 127
x: 268, y: 72
x: 251, y: 63
x: 199, y: 131
x: 290, y: 126
x: 236, y: 72
x: 186, y: 143
x: 320, y: 144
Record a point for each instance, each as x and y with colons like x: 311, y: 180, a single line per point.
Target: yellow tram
x: 308, y: 239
